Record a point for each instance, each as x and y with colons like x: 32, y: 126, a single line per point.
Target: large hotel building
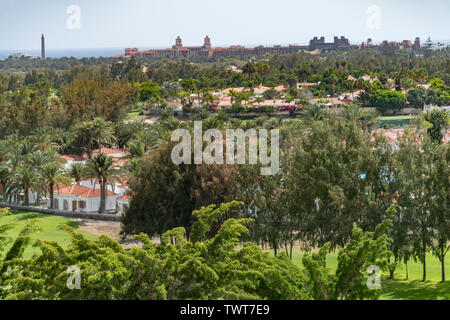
x: 206, y: 50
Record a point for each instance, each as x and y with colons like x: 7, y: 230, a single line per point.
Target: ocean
x: 60, y: 53
x: 93, y: 52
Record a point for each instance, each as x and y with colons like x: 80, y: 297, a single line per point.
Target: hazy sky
x: 156, y: 23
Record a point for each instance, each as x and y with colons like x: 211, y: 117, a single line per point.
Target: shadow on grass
x: 415, y: 290
x: 31, y: 215
x: 37, y: 215
x: 72, y: 224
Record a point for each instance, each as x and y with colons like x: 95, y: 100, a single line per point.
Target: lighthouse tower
x: 43, y: 47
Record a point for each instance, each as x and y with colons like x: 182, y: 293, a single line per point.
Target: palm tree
x: 233, y: 94
x: 334, y: 79
x: 24, y: 179
x: 103, y: 132
x: 351, y: 112
x: 85, y: 136
x: 102, y: 169
x: 133, y: 166
x: 5, y: 174
x: 52, y: 175
x: 136, y: 149
x: 259, y: 100
x: 315, y: 113
x: 45, y: 139
x: 97, y: 130
x: 76, y: 172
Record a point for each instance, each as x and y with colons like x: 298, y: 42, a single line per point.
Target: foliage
x: 386, y: 100
x: 439, y: 120
x: 364, y: 250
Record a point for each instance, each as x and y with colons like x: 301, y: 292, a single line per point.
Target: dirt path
x: 110, y: 229
x: 98, y: 228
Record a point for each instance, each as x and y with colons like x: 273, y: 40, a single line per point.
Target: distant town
x: 315, y: 45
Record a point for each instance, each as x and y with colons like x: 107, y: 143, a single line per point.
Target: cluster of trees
x: 334, y: 172
x: 33, y: 168
x: 83, y: 94
x: 213, y: 264
x: 62, y: 98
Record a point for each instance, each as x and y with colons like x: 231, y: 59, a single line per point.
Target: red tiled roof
x: 124, y: 198
x: 70, y: 190
x: 80, y: 191
x: 120, y: 161
x: 107, y: 151
x: 94, y: 193
x: 71, y: 158
x: 307, y: 84
x: 120, y: 56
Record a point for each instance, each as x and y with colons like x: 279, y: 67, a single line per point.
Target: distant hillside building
x: 368, y: 44
x: 392, y: 45
x: 178, y: 43
x: 207, y: 50
x: 207, y: 43
x: 416, y: 46
x: 320, y: 44
x: 22, y: 56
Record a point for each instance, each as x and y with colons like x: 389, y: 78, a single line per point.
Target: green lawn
x: 387, y: 118
x: 49, y: 228
x: 397, y: 289
x: 133, y: 115
x: 400, y: 289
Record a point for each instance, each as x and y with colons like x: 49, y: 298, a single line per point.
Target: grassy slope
x: 133, y: 115
x: 49, y: 228
x: 400, y: 289
x: 387, y: 118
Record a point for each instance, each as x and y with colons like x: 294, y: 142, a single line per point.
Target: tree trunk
x: 325, y: 261
x: 26, y: 198
x: 290, y: 253
x: 407, y: 274
x: 89, y: 150
x: 102, y: 208
x: 443, y: 269
x: 424, y: 266
x: 50, y: 191
x: 391, y: 274
x: 275, y: 251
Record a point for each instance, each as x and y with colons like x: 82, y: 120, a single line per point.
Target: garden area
x: 397, y: 289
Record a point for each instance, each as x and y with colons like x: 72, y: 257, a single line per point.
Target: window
x: 56, y: 206
x: 82, y: 204
x: 66, y: 205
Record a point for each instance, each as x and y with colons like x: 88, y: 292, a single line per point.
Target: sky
x: 156, y: 23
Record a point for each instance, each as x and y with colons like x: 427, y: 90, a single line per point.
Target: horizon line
x: 249, y: 45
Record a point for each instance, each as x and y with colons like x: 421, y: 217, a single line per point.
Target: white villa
x: 78, y: 198
x: 71, y: 159
x: 122, y: 204
x: 85, y: 197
